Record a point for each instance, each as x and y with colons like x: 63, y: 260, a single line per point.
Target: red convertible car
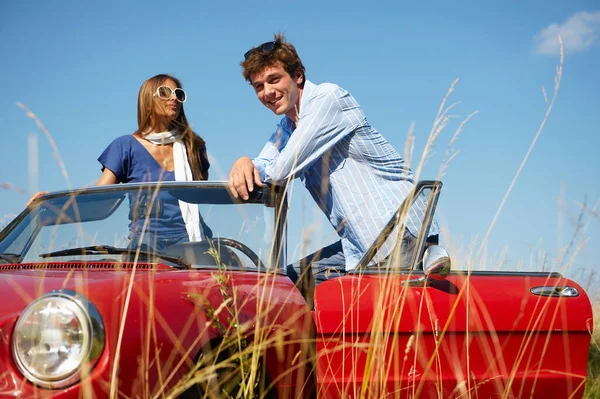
x: 93, y: 305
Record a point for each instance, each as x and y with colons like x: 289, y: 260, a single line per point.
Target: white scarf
x: 183, y: 172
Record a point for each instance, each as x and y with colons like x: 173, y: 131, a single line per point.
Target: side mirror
x: 436, y: 266
x: 436, y: 263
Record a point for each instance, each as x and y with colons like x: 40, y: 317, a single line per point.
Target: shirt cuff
x: 261, y: 166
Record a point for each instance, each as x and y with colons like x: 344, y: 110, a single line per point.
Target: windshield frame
x: 268, y: 195
x: 397, y: 220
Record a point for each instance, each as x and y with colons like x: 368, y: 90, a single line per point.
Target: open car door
x: 385, y: 331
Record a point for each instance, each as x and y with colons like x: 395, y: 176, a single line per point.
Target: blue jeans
x: 330, y: 262
x: 326, y: 263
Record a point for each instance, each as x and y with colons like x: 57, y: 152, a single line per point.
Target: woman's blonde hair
x: 147, y: 121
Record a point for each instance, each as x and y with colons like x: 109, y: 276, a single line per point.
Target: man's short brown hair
x: 281, y: 52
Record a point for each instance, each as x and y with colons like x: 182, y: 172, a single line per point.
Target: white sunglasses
x: 165, y: 93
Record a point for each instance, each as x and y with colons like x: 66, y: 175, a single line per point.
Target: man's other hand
x: 242, y: 178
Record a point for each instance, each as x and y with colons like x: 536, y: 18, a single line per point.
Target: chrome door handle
x: 552, y: 290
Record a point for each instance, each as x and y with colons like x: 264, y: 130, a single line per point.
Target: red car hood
x: 22, y: 283
x: 157, y: 304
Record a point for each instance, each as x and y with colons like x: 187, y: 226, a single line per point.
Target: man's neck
x: 294, y: 112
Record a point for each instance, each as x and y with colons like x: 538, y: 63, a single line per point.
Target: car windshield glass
x: 396, y: 247
x: 148, y: 217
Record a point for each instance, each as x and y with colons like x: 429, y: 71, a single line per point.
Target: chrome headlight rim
x: 93, y: 329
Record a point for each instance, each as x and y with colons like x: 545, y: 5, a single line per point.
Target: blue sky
x: 78, y: 67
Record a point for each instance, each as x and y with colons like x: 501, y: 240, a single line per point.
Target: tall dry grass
x: 592, y: 388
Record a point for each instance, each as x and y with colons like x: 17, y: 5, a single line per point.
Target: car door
x: 387, y: 332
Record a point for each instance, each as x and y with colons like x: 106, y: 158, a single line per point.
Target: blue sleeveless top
x: 131, y: 162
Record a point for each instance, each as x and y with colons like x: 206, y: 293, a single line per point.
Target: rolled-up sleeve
x: 269, y: 152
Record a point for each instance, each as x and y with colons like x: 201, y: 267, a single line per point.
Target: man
x: 352, y: 172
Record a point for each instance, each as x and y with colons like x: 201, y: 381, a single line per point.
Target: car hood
x: 22, y: 283
x: 152, y: 303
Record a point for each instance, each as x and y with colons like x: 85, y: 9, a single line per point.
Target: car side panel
x: 466, y: 335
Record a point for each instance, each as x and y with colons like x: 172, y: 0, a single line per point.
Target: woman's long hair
x: 147, y: 121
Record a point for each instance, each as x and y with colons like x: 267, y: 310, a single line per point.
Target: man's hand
x: 242, y: 178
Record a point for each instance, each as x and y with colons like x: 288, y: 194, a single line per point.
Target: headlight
x: 59, y: 337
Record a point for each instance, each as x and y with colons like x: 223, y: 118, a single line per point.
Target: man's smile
x: 274, y: 101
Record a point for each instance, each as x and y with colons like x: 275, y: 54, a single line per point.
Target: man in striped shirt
x: 352, y: 172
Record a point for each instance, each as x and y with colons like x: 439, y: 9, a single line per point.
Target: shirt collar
x: 307, y: 93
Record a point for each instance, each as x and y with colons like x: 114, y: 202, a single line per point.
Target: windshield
x: 402, y: 241
x: 148, y: 217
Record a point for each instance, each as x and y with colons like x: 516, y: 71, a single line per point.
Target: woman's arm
x: 107, y: 177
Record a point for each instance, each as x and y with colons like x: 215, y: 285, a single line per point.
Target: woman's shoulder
x: 125, y: 141
x: 126, y: 138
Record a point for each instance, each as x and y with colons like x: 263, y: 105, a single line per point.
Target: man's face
x: 277, y: 90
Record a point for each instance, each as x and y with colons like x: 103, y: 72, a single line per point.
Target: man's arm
x: 326, y: 121
x: 246, y: 172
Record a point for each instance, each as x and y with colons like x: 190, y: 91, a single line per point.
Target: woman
x: 161, y: 122
x: 163, y: 148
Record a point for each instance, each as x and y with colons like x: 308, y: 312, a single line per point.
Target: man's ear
x: 299, y: 77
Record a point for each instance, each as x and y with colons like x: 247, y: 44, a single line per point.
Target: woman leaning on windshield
x: 163, y: 148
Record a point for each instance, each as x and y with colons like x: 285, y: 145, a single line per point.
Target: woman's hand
x: 107, y: 177
x: 36, y: 196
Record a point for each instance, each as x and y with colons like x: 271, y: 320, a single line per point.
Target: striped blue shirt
x: 352, y: 172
